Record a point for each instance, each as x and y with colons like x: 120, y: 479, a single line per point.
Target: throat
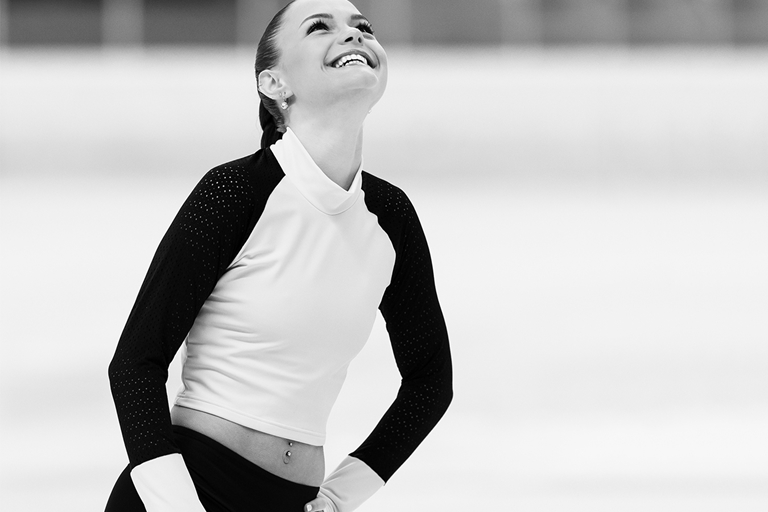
x: 333, y: 138
x: 341, y: 165
x: 340, y: 173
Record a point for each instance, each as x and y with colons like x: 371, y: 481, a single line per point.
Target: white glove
x: 164, y: 485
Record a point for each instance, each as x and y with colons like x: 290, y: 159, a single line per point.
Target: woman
x: 272, y: 272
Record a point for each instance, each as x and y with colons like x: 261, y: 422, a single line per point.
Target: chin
x: 360, y: 82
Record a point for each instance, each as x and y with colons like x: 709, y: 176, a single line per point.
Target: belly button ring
x: 287, y: 454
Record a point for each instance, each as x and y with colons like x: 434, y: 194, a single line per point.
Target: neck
x: 334, y: 140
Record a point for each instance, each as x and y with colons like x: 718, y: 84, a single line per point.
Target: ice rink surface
x: 598, y: 221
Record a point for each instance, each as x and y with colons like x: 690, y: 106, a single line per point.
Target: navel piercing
x: 287, y: 454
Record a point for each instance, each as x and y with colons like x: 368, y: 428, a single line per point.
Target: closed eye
x: 317, y: 25
x: 366, y: 27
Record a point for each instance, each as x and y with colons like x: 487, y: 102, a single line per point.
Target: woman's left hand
x: 321, y: 503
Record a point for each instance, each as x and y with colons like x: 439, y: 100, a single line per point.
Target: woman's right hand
x: 321, y: 503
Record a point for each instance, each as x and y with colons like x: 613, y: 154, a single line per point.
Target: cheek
x: 384, y: 70
x: 302, y: 67
x: 380, y: 53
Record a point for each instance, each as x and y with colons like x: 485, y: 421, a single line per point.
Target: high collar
x: 314, y: 185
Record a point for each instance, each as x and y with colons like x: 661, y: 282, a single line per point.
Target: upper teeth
x: 351, y: 58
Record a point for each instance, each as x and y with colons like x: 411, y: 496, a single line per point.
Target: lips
x: 352, y: 58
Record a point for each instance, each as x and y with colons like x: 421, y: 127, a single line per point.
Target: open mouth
x: 354, y: 58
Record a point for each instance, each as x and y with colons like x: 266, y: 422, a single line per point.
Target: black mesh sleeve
x: 202, y: 241
x: 417, y: 333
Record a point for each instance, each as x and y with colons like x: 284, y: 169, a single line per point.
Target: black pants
x: 225, y: 481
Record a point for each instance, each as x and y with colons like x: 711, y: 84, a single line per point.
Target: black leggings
x: 225, y: 481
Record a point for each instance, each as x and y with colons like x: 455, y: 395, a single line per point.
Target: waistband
x: 228, y: 481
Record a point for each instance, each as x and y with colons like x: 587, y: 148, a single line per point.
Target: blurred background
x: 592, y: 176
x: 405, y: 22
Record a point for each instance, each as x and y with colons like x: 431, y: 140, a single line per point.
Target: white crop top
x: 270, y: 347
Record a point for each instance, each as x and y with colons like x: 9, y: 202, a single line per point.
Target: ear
x: 272, y: 85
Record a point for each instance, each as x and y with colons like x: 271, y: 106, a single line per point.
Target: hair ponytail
x: 270, y: 116
x: 270, y: 133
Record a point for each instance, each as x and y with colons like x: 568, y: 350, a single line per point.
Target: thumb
x: 321, y: 503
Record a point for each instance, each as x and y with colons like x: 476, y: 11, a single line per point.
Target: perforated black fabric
x: 209, y: 230
x: 417, y: 333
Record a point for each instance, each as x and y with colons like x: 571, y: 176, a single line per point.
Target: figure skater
x: 271, y: 274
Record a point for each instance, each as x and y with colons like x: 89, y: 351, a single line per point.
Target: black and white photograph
x: 401, y: 255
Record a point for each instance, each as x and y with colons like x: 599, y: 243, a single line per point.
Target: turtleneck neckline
x: 321, y: 191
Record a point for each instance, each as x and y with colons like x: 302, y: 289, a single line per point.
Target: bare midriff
x: 294, y: 461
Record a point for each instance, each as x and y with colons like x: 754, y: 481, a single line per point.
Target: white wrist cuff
x: 164, y: 485
x: 350, y: 485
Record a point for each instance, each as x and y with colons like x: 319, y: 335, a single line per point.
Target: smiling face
x: 328, y: 53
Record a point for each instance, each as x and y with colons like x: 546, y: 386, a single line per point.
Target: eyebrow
x: 325, y: 15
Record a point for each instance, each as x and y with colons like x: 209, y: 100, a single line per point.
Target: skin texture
x: 328, y: 106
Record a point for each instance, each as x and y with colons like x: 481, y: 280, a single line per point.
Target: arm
x: 419, y: 340
x: 201, y: 242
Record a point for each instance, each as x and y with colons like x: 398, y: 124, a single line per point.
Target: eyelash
x: 365, y: 27
x: 317, y: 25
x: 321, y: 25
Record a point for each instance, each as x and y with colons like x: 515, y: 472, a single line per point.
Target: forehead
x: 300, y: 9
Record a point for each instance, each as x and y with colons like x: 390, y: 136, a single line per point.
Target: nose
x: 355, y: 36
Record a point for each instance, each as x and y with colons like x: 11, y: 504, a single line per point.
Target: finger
x: 318, y: 504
